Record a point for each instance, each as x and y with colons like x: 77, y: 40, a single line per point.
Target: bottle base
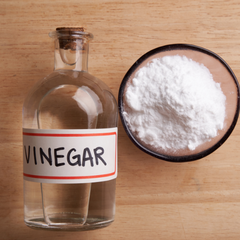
x: 91, y: 224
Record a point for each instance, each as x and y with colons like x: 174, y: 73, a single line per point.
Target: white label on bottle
x: 69, y: 156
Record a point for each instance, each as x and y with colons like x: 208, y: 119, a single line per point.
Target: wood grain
x: 154, y: 199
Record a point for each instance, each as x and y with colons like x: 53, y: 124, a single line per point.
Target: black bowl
x: 221, y: 72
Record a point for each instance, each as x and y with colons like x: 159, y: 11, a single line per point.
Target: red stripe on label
x: 68, y: 134
x: 67, y: 177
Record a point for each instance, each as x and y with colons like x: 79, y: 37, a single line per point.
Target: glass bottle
x: 65, y: 102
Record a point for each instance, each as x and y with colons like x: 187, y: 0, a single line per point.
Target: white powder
x: 174, y: 104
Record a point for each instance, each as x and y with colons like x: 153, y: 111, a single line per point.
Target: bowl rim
x: 186, y: 158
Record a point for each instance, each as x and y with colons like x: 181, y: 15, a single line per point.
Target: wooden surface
x: 154, y: 199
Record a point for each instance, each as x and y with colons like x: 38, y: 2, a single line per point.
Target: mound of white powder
x: 174, y: 103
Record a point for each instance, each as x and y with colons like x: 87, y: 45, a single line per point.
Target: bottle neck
x: 71, y: 54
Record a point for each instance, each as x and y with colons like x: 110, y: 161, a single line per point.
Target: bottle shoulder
x: 70, y: 85
x: 68, y: 99
x: 60, y: 78
x: 77, y: 78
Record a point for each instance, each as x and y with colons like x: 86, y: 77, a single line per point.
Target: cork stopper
x: 73, y: 38
x: 70, y: 30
